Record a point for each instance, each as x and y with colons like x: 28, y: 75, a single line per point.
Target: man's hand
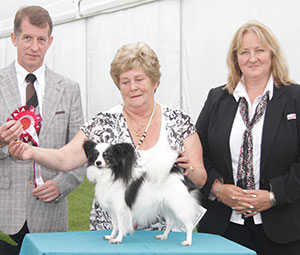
x: 10, y: 131
x: 48, y: 191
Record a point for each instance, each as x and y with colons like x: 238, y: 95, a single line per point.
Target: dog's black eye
x: 105, y: 155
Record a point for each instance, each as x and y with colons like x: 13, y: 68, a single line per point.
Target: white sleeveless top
x: 146, y: 155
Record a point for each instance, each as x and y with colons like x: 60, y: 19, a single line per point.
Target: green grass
x: 6, y: 238
x: 80, y: 204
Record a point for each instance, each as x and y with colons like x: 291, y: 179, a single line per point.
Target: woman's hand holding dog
x: 192, y: 169
x: 183, y: 162
x: 21, y: 151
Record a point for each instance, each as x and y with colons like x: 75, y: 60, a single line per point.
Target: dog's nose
x: 98, y: 163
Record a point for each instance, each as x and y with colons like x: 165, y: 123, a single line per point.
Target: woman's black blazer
x: 280, y: 161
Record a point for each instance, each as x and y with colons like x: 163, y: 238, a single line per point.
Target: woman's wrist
x: 191, y: 169
x: 196, y: 176
x: 216, y: 188
x: 191, y: 173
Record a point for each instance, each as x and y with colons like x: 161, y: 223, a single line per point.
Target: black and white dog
x: 160, y: 190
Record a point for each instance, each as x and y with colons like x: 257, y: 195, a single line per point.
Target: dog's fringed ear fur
x: 124, y: 160
x: 89, y: 147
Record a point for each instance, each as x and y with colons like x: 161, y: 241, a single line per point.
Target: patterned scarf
x: 245, y: 175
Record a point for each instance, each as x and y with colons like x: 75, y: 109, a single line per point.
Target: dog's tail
x: 159, y: 166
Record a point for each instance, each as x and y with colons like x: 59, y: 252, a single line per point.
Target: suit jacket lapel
x: 227, y: 111
x: 53, y: 93
x: 9, y: 89
x: 271, y: 124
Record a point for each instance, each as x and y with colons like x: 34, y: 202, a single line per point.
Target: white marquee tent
x: 190, y: 37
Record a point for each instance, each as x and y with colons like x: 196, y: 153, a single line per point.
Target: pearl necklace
x: 143, y: 136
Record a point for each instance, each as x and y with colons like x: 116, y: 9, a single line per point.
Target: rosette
x: 31, y: 123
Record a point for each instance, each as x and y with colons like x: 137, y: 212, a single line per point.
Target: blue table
x: 141, y: 242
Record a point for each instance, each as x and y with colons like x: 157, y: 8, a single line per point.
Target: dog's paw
x: 115, y: 241
x: 186, y: 243
x: 107, y: 237
x: 161, y: 237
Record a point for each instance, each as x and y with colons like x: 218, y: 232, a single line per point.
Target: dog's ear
x: 89, y: 147
x: 124, y: 157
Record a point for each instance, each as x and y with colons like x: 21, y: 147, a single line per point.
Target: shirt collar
x: 240, y: 90
x: 22, y: 73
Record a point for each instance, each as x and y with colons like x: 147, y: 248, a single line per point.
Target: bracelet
x: 272, y: 198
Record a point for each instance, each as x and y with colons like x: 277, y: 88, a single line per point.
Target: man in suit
x: 24, y: 207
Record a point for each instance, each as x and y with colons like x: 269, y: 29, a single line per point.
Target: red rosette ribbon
x: 31, y: 123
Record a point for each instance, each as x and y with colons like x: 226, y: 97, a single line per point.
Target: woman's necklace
x: 138, y: 129
x: 143, y: 136
x: 146, y: 130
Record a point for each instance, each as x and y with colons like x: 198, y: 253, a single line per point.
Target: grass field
x: 80, y: 204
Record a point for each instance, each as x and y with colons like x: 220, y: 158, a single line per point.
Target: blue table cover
x: 141, y: 242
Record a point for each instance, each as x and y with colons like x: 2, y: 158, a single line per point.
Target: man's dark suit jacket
x: 279, y: 169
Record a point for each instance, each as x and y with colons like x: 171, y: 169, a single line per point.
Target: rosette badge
x: 30, y: 121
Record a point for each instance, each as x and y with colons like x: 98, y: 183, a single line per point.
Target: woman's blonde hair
x: 134, y: 56
x: 279, y: 66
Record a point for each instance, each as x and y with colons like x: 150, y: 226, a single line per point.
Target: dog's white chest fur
x: 107, y: 191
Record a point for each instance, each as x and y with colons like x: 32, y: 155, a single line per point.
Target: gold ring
x: 192, y: 169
